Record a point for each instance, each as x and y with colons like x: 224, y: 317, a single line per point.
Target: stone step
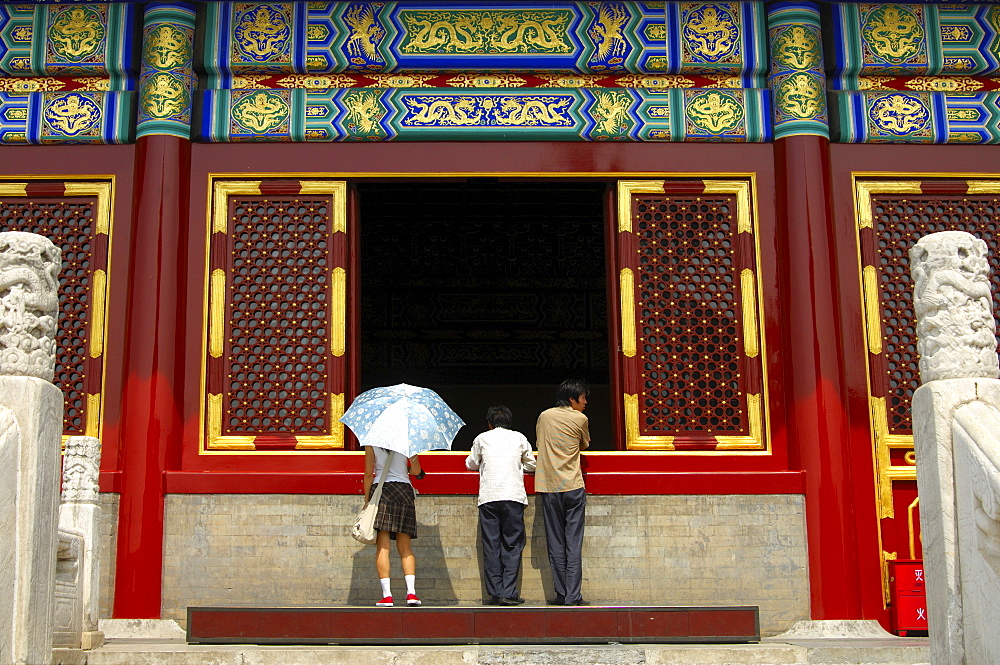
x: 832, y: 652
x: 162, y: 642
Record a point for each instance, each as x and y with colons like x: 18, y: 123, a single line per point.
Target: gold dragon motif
x: 445, y: 111
x: 714, y: 112
x: 260, y: 112
x: 163, y: 96
x: 263, y: 33
x: 893, y: 32
x: 72, y: 114
x: 797, y: 48
x: 532, y: 112
x: 167, y: 48
x: 800, y: 96
x: 524, y: 34
x: 899, y: 114
x: 77, y: 33
x: 711, y: 33
x: 485, y: 31
x: 447, y: 35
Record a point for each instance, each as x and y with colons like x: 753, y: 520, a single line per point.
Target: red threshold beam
x: 472, y: 625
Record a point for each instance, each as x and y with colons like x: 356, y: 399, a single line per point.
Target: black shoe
x: 559, y: 600
x: 507, y: 602
x: 519, y: 600
x: 492, y: 600
x: 580, y: 603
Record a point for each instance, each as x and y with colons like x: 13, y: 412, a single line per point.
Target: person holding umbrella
x: 396, y: 518
x: 395, y: 424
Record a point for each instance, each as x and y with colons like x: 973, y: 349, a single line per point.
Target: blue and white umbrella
x: 404, y: 418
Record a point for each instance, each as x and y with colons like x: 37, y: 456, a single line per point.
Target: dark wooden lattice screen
x: 898, y: 223
x: 76, y: 217
x: 690, y: 336
x: 892, y: 217
x: 276, y: 329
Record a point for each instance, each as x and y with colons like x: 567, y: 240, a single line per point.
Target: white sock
x: 410, y: 582
x: 384, y: 581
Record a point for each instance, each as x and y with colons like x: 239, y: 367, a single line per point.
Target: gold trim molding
x: 98, y: 310
x: 755, y: 441
x: 626, y: 188
x: 886, y: 558
x: 338, y: 189
x: 335, y: 440
x: 632, y: 439
x: 885, y: 471
x: 92, y: 424
x: 748, y: 294
x: 13, y: 189
x: 627, y: 288
x: 339, y: 312
x: 863, y: 191
x: 910, y: 526
x: 221, y: 192
x: 102, y: 190
x: 741, y: 188
x: 217, y: 313
x: 215, y: 317
x: 873, y: 310
x: 215, y: 439
x: 983, y: 186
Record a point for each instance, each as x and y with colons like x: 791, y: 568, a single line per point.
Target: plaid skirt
x: 396, y: 510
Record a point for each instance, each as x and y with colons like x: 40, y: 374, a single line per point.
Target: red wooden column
x: 815, y: 383
x: 153, y: 357
x: 814, y: 376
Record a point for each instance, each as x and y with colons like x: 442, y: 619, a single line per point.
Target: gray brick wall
x: 663, y: 550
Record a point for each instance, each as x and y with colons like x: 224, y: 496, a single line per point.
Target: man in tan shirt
x: 560, y: 434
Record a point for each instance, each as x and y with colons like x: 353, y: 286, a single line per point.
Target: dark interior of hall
x: 489, y: 292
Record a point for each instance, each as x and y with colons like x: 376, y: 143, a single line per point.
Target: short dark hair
x: 571, y: 389
x: 499, y: 416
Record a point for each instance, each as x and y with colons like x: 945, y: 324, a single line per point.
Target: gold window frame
x: 866, y: 186
x: 865, y: 189
x: 210, y: 431
x: 102, y: 190
x: 757, y: 442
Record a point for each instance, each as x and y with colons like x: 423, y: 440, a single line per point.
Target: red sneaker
x: 412, y: 600
x: 385, y: 602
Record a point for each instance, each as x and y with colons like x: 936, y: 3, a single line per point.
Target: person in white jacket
x: 502, y: 457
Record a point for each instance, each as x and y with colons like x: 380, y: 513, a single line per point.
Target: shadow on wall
x: 433, y: 586
x: 539, y: 559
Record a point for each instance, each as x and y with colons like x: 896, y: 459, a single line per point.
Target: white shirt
x: 502, y: 456
x: 397, y: 469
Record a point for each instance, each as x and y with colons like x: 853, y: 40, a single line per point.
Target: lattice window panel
x: 78, y: 225
x: 277, y: 298
x: 898, y: 222
x: 690, y: 334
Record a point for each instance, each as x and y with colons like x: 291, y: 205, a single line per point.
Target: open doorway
x: 488, y: 292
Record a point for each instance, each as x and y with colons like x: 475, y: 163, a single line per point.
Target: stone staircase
x: 809, y: 643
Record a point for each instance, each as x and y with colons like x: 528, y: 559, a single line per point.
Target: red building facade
x: 750, y: 294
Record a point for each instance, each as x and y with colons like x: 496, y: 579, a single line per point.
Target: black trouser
x: 564, y: 514
x: 502, y: 526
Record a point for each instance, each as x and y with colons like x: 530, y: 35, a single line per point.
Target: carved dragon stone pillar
x: 958, y: 367
x: 30, y: 439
